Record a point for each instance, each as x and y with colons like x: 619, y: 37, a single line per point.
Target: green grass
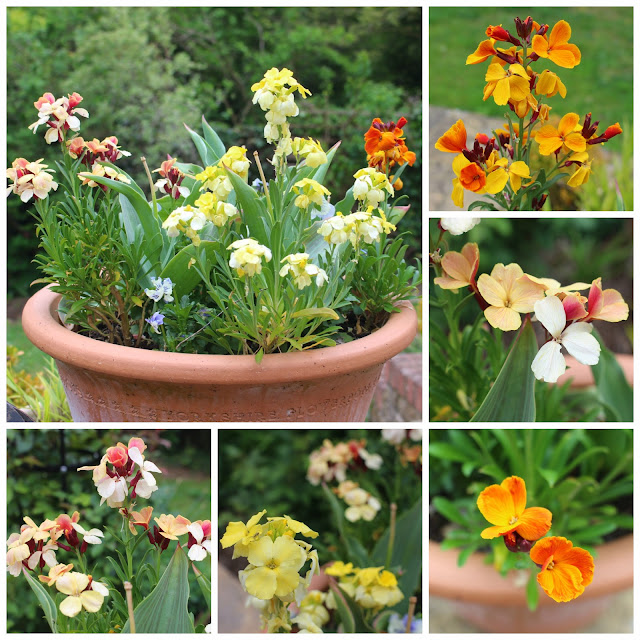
x: 33, y: 359
x: 601, y: 83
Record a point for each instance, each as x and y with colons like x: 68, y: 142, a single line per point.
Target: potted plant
x: 499, y: 352
x: 580, y: 483
x: 219, y: 300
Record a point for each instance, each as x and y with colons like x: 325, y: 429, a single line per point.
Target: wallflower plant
x: 211, y: 264
x: 500, y: 167
x: 132, y: 594
x: 465, y: 361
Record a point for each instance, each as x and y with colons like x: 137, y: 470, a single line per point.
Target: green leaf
x: 350, y: 612
x: 407, y: 552
x: 322, y: 312
x: 533, y: 593
x: 447, y: 451
x: 254, y: 213
x: 205, y: 585
x: 512, y: 399
x: 449, y: 510
x: 186, y: 279
x: 612, y: 386
x: 206, y: 153
x: 45, y: 600
x: 550, y: 475
x: 212, y: 139
x: 164, y: 610
x: 481, y: 204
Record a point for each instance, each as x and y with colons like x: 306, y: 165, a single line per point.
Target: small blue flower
x: 155, y: 321
x: 257, y: 185
x: 163, y: 289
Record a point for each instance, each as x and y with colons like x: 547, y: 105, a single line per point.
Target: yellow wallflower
x: 247, y: 257
x: 74, y: 585
x: 506, y: 84
x: 311, y: 192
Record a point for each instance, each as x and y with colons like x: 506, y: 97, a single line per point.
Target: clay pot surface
x: 581, y: 375
x: 493, y: 603
x: 112, y: 383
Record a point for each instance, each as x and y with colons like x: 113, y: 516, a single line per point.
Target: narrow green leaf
x: 613, y: 389
x: 164, y: 610
x: 449, y: 510
x: 117, y: 569
x: 323, y: 312
x: 207, y: 155
x: 212, y: 139
x: 204, y: 583
x: 550, y: 475
x: 45, y: 600
x: 533, y: 593
x: 185, y: 279
x: 254, y: 213
x: 346, y: 615
x: 512, y: 398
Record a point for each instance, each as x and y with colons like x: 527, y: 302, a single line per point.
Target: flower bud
x: 117, y: 456
x: 613, y: 130
x: 524, y: 28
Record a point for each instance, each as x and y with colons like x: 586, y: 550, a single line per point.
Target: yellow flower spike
x: 556, y: 47
x: 506, y: 84
x: 509, y: 293
x: 549, y: 84
x: 567, y: 134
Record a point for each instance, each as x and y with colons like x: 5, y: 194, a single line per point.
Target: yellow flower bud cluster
x: 312, y: 614
x: 311, y: 192
x: 355, y: 227
x: 370, y: 186
x: 309, y: 150
x: 372, y: 587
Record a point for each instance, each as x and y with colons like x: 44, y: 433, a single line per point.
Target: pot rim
x: 42, y: 326
x: 493, y: 589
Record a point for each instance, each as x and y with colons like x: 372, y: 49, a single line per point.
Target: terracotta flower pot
x: 493, y: 603
x: 111, y: 383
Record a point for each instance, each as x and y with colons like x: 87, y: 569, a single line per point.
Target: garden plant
x: 212, y: 264
x: 474, y: 376
x: 575, y: 485
x: 369, y: 567
x: 122, y: 593
x: 500, y: 166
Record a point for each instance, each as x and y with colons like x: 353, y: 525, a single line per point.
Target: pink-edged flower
x: 30, y: 179
x: 606, y: 305
x: 59, y: 115
x: 199, y: 543
x: 55, y: 572
x: 171, y: 180
x: 172, y: 526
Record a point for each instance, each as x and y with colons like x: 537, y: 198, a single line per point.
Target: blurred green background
x: 143, y: 72
x: 42, y: 482
x: 601, y: 83
x: 567, y: 249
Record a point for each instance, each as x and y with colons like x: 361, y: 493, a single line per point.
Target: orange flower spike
x: 503, y: 505
x: 454, y: 140
x: 551, y: 139
x: 565, y: 570
x: 556, y: 47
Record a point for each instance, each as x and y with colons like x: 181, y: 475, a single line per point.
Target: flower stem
x: 264, y: 181
x: 132, y: 622
x: 412, y: 608
x: 392, y: 534
x: 151, y: 187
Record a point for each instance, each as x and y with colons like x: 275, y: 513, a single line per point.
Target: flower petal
x: 525, y: 293
x: 261, y: 583
x: 496, y: 505
x: 503, y: 318
x: 550, y: 312
x: 579, y: 342
x: 491, y: 290
x: 534, y: 523
x: 549, y: 363
x: 71, y: 606
x: 516, y: 487
x: 560, y: 33
x: 91, y: 600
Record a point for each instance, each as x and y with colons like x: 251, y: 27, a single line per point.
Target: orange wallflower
x: 556, y: 48
x: 485, y: 50
x: 503, y: 505
x: 385, y: 145
x: 566, y: 570
x: 551, y: 139
x: 472, y: 177
x: 454, y: 140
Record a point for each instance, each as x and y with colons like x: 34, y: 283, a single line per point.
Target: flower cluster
x: 275, y: 95
x: 300, y: 267
x: 30, y: 179
x: 310, y: 151
x: 362, y: 505
x: 123, y: 471
x: 275, y: 559
x: 59, y: 115
x: 409, y: 454
x: 565, y: 570
x: 564, y: 312
x: 247, y: 256
x: 386, y: 147
x: 331, y: 462
x: 491, y: 163
x: 171, y: 179
x: 372, y: 587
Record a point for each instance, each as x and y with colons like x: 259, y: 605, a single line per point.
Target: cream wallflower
x: 74, y: 585
x: 300, y: 267
x: 172, y: 526
x: 549, y: 363
x: 337, y: 229
x: 247, y: 256
x: 370, y: 186
x: 509, y: 293
x: 311, y: 192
